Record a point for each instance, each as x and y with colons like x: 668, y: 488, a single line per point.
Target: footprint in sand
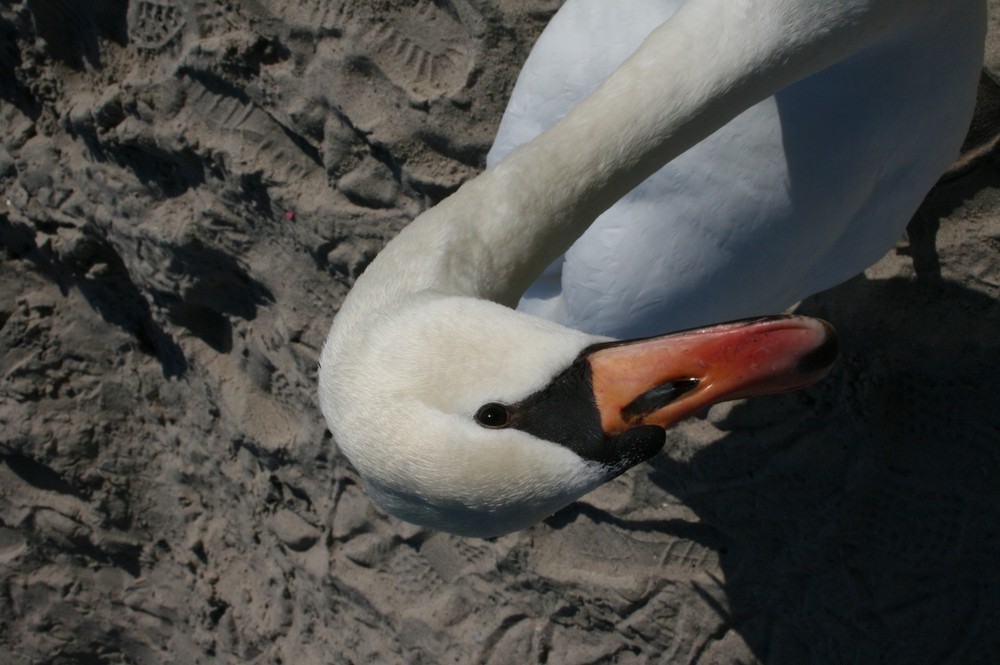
x: 155, y: 25
x: 421, y: 48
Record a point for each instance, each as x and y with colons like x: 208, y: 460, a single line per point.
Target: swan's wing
x: 582, y: 44
x: 793, y: 196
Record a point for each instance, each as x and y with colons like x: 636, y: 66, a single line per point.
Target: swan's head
x: 467, y: 416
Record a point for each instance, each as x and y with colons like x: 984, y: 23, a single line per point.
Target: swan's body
x: 463, y: 414
x: 792, y: 196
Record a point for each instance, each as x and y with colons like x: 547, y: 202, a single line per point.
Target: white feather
x: 798, y: 137
x: 795, y: 194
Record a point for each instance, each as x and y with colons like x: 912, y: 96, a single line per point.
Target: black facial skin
x: 565, y: 412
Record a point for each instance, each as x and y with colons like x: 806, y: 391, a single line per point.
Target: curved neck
x: 709, y: 62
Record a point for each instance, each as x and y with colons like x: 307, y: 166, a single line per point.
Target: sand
x: 187, y: 191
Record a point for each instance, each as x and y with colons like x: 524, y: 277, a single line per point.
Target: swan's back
x: 795, y: 195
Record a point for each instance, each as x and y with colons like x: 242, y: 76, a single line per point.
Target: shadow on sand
x: 859, y: 521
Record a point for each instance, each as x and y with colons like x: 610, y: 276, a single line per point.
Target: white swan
x: 794, y: 195
x: 463, y: 414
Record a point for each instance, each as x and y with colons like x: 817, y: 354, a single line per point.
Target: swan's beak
x: 662, y: 380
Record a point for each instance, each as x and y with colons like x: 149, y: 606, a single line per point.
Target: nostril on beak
x: 656, y: 398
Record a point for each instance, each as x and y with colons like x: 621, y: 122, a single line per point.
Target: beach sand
x: 189, y: 189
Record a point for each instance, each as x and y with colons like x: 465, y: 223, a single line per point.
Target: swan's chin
x: 493, y: 512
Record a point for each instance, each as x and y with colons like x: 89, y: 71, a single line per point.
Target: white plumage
x: 793, y: 195
x: 466, y: 415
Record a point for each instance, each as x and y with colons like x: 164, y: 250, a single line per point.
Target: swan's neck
x: 710, y: 61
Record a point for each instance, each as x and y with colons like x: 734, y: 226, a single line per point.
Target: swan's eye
x: 493, y: 415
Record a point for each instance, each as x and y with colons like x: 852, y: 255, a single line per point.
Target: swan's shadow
x: 865, y: 526
x: 858, y: 521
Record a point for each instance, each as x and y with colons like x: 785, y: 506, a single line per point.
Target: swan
x: 464, y: 414
x: 793, y: 195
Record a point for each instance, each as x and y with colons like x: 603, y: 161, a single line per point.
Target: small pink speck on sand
x: 289, y: 215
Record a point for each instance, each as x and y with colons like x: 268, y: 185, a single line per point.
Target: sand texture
x: 187, y: 191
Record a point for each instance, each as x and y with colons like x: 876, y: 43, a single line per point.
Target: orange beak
x: 662, y: 380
